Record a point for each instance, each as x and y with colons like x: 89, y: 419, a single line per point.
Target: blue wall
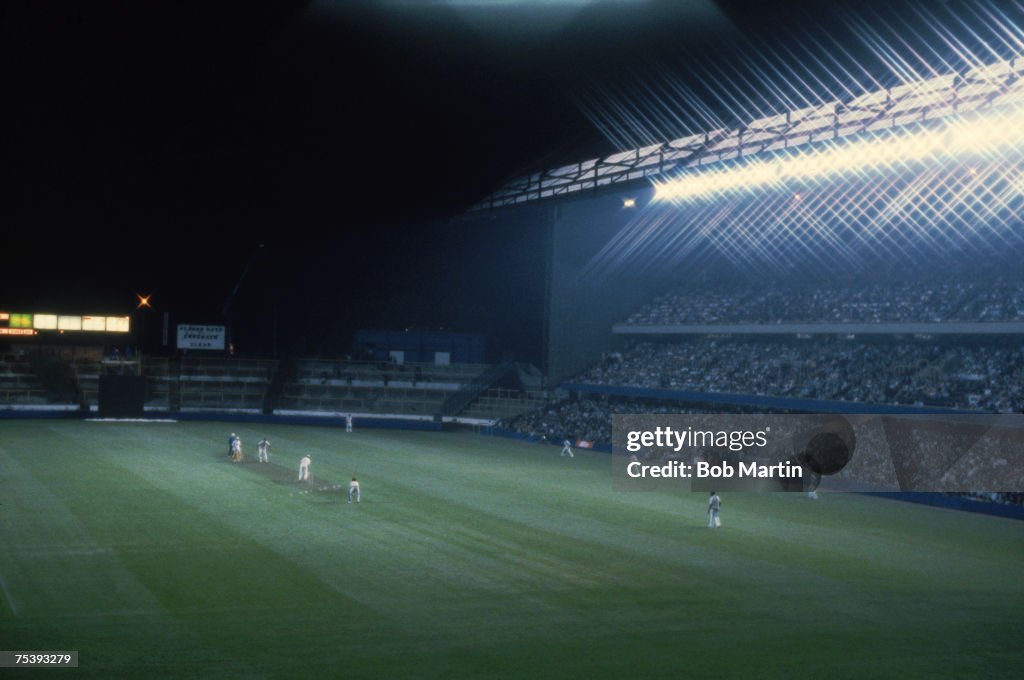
x: 940, y: 500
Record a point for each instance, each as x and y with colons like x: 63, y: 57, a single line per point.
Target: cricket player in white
x: 262, y: 450
x: 236, y: 449
x: 304, y: 468
x: 348, y: 423
x: 353, y: 490
x: 566, y: 449
x: 714, y: 503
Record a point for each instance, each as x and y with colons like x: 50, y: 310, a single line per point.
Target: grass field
x: 145, y: 549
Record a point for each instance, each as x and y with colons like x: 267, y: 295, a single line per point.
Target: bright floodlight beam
x: 975, y: 136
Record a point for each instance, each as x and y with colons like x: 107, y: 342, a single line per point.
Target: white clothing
x: 714, y: 503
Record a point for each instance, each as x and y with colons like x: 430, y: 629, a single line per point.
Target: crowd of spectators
x: 588, y: 419
x: 934, y: 458
x: 1001, y: 497
x: 924, y: 370
x: 989, y: 299
x: 908, y: 372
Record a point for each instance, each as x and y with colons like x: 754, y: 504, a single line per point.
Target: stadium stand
x: 194, y: 383
x: 224, y: 384
x: 373, y: 387
x: 459, y: 400
x: 162, y: 392
x: 590, y: 418
x: 87, y: 378
x: 954, y: 373
x: 233, y: 384
x: 1001, y: 497
x: 87, y: 368
x: 992, y: 299
x: 18, y: 384
x: 502, y: 403
x: 584, y: 418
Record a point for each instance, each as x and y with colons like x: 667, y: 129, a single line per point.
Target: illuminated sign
x: 94, y: 323
x: 30, y: 324
x: 20, y: 321
x: 69, y: 323
x: 117, y: 324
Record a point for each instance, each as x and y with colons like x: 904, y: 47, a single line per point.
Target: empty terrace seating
x: 87, y: 377
x: 373, y: 387
x: 18, y: 384
x: 345, y: 399
x: 160, y: 382
x: 223, y: 383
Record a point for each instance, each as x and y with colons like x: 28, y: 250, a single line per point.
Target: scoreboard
x: 27, y: 325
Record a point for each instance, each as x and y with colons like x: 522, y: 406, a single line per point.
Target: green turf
x: 145, y: 549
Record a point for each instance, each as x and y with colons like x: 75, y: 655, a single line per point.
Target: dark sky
x: 154, y: 146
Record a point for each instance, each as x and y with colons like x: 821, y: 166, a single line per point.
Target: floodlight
x: 978, y: 136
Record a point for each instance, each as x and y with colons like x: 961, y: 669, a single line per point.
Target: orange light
x: 143, y: 301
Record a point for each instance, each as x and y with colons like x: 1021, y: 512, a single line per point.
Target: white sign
x: 117, y: 324
x: 69, y: 323
x: 200, y: 337
x: 45, y: 321
x: 94, y: 323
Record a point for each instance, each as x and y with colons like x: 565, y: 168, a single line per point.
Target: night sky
x: 154, y: 147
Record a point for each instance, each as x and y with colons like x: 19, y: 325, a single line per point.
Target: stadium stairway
x: 460, y: 400
x: 494, y: 404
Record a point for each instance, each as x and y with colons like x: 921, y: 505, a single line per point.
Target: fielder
x: 236, y: 449
x: 566, y: 449
x: 714, y: 503
x: 348, y: 423
x: 353, y: 490
x: 304, y: 468
x: 231, y: 444
x: 262, y: 450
